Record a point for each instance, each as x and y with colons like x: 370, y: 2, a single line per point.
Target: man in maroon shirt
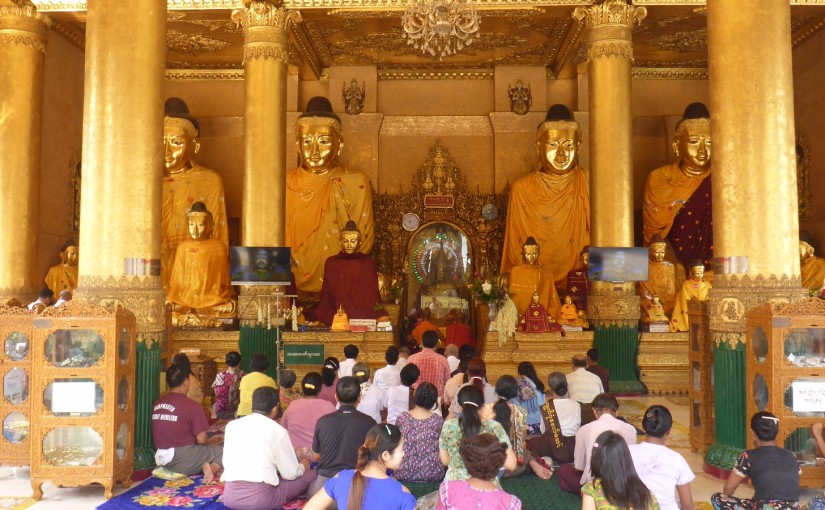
x: 433, y: 366
x: 594, y: 368
x: 179, y: 429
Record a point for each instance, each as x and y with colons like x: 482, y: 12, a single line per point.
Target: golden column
x: 22, y: 56
x: 755, y: 223
x: 120, y: 214
x: 614, y: 313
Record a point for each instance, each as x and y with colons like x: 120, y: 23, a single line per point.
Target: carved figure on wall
x: 353, y: 97
x: 694, y: 287
x: 521, y: 99
x: 322, y: 195
x: 803, y: 178
x: 812, y: 268
x: 551, y: 203
x: 677, y: 197
x: 63, y: 276
x: 184, y: 183
x: 661, y: 280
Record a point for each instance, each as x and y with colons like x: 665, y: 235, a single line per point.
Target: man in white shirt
x: 345, y: 368
x: 44, y: 299
x: 605, y: 407
x: 583, y: 386
x: 390, y: 375
x: 64, y: 297
x: 373, y: 399
x: 260, y: 467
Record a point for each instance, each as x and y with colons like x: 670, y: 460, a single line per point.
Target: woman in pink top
x: 300, y: 417
x: 329, y: 376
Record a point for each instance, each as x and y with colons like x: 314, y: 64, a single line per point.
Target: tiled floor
x: 15, y: 481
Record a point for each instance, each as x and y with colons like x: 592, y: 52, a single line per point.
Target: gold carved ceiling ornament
x: 193, y: 44
x: 681, y: 42
x: 440, y: 27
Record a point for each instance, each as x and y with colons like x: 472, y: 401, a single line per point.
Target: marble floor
x: 14, y: 482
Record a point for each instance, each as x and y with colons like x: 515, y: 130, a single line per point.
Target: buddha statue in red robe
x: 577, y: 283
x: 537, y: 320
x: 350, y: 282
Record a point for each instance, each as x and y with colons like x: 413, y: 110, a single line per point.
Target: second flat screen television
x: 617, y: 264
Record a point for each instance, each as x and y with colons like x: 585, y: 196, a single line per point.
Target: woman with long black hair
x: 615, y: 484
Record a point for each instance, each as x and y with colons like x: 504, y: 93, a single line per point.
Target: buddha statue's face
x: 697, y: 272
x: 530, y: 254
x: 568, y: 300
x: 657, y: 252
x: 179, y: 149
x: 656, y: 298
x: 804, y: 250
x: 350, y: 241
x: 535, y: 299
x: 200, y: 226
x: 558, y: 150
x: 692, y: 147
x: 70, y: 255
x: 319, y: 146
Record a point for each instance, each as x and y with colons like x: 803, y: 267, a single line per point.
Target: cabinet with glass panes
x: 15, y: 379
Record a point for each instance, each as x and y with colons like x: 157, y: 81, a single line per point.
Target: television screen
x: 255, y: 265
x: 617, y: 264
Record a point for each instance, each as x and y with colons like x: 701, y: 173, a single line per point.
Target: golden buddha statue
x: 528, y: 278
x: 654, y: 310
x: 200, y: 290
x: 551, y: 203
x: 578, y: 284
x: 812, y: 268
x: 322, y: 195
x: 677, y: 197
x: 184, y: 183
x: 661, y: 280
x: 536, y: 319
x: 569, y: 314
x: 63, y: 276
x: 694, y: 287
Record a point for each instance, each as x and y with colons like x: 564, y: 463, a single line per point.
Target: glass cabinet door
x: 74, y: 348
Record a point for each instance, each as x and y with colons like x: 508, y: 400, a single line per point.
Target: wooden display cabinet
x: 785, y: 375
x: 15, y: 379
x: 700, y: 387
x: 83, y: 385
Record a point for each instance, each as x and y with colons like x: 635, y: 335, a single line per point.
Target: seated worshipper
x: 530, y: 396
x: 433, y: 366
x: 458, y: 332
x: 469, y: 424
x: 421, y: 429
x: 582, y: 385
x: 512, y: 418
x: 303, y: 414
x: 423, y: 326
x: 451, y: 353
x: 329, y: 375
x: 368, y: 486
x: 260, y: 467
x: 350, y: 281
x: 339, y: 434
x: 537, y: 320
x: 179, y: 428
x: 484, y: 456
x: 401, y: 398
x: 594, y: 368
x: 403, y: 354
x: 605, y: 408
x: 373, y: 399
x: 254, y: 380
x: 773, y: 470
x: 44, y: 298
x: 662, y: 470
x: 458, y: 376
x: 476, y: 376
x: 227, y: 387
x: 200, y: 289
x: 350, y: 356
x: 561, y: 420
x: 64, y: 297
x: 288, y: 391
x: 390, y: 375
x: 195, y: 390
x: 615, y: 483
x: 63, y: 276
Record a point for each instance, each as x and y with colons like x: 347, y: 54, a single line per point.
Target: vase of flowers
x: 488, y: 294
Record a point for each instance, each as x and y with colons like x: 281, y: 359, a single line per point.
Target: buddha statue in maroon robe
x: 350, y: 282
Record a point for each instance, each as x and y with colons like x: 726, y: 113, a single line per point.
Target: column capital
x: 610, y: 25
x: 23, y: 26
x: 264, y: 23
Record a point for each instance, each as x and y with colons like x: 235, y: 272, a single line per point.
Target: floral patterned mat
x: 182, y: 493
x: 11, y: 503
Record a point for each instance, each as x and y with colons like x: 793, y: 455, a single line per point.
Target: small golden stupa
x: 340, y: 322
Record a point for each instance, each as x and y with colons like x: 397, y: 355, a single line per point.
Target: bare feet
x: 541, y: 471
x: 208, y: 474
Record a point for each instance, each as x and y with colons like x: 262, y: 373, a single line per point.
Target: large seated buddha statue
x: 677, y: 197
x: 552, y: 203
x: 63, y: 276
x: 322, y: 196
x: 528, y: 278
x: 694, y: 287
x: 200, y: 290
x: 184, y: 183
x: 811, y: 267
x: 350, y: 283
x: 661, y: 280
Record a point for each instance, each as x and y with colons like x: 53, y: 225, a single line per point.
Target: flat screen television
x: 617, y: 264
x: 259, y: 265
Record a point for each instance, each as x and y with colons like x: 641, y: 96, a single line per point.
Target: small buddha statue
x: 184, y: 183
x: 63, y: 276
x: 695, y: 287
x: 528, y: 278
x: 661, y: 280
x: 321, y: 196
x: 551, y: 203
x: 654, y: 311
x: 340, y: 321
x: 569, y: 314
x: 350, y: 283
x: 537, y: 320
x: 812, y: 268
x: 677, y: 197
x: 200, y: 289
x: 578, y: 285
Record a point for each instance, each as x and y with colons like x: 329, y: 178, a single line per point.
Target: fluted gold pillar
x: 22, y: 57
x: 120, y: 214
x: 265, y: 80
x: 755, y: 224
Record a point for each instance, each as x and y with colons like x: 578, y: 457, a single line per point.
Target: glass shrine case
x: 785, y: 375
x: 15, y: 379
x: 82, y: 394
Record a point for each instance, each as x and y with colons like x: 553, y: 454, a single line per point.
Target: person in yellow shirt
x: 256, y: 378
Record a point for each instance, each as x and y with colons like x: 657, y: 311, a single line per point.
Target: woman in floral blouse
x: 421, y: 429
